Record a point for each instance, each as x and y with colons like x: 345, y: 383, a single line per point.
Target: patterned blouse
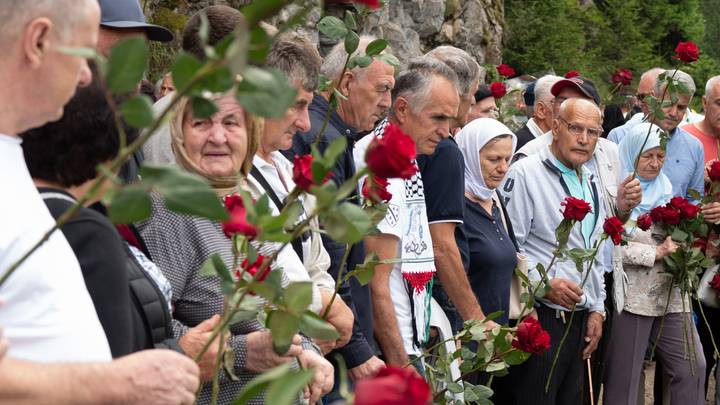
x: 179, y: 245
x: 648, y: 288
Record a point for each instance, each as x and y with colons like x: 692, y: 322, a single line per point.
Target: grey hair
x: 543, y: 86
x: 65, y: 14
x: 414, y: 83
x: 680, y: 77
x: 334, y: 61
x: 298, y: 59
x: 712, y: 82
x: 464, y: 65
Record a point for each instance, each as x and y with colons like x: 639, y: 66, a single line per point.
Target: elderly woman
x: 646, y: 292
x: 221, y: 149
x: 485, y: 238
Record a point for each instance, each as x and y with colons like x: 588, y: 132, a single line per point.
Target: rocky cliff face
x: 412, y: 27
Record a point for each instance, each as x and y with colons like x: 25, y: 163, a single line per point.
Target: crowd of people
x: 105, y: 313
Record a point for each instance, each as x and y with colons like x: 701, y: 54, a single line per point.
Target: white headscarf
x: 473, y: 137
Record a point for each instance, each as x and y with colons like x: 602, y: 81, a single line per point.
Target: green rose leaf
x: 127, y: 64
x: 361, y: 61
x: 375, y: 47
x: 347, y: 223
x: 283, y: 326
x: 391, y: 60
x: 351, y: 42
x: 184, y: 68
x: 287, y: 388
x: 317, y: 328
x: 678, y: 235
x: 332, y: 27
x: 298, y: 296
x: 137, y: 111
x: 265, y: 92
x: 130, y: 204
x: 350, y: 22
x: 202, y: 107
x: 260, y: 383
x: 184, y: 192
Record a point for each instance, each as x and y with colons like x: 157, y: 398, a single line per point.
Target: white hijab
x: 473, y: 137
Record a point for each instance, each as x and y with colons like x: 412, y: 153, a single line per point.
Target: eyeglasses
x: 578, y: 130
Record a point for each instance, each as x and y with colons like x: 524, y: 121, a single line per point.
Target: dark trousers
x: 566, y: 385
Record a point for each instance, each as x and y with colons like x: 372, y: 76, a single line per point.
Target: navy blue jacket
x: 360, y: 347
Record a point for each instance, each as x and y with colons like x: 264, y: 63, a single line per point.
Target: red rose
x: 613, y: 227
x: 678, y: 202
x: 657, y: 214
x: 714, y: 170
x: 302, y: 172
x: 644, y: 222
x: 715, y: 282
x: 571, y: 74
x: 623, y: 77
x: 375, y: 189
x: 253, y: 268
x: 575, y: 208
x: 393, y: 386
x: 686, y: 52
x: 498, y: 89
x: 237, y: 224
x: 531, y: 338
x: 505, y: 70
x: 701, y: 243
x: 671, y: 216
x: 392, y: 155
x: 369, y: 3
x: 689, y: 210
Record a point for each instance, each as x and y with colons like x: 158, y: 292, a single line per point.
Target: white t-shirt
x: 47, y: 314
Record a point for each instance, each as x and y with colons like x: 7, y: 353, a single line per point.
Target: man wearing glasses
x: 645, y: 89
x: 534, y: 188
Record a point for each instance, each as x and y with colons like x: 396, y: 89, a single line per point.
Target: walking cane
x: 592, y: 395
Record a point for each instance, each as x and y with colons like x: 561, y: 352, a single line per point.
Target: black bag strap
x: 255, y: 172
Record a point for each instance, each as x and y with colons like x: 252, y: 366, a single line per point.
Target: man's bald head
x: 574, y: 106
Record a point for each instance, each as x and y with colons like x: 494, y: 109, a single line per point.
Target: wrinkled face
x: 485, y: 108
x: 650, y: 163
x: 431, y: 124
x: 166, y: 86
x: 279, y: 132
x: 495, y: 160
x: 368, y: 96
x: 108, y: 37
x: 61, y: 73
x: 575, y: 135
x: 673, y: 113
x: 466, y: 104
x: 218, y: 144
x: 711, y: 104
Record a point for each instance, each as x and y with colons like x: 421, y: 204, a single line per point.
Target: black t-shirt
x: 489, y: 257
x: 443, y: 175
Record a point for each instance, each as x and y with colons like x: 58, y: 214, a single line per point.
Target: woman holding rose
x: 646, y: 292
x: 221, y: 149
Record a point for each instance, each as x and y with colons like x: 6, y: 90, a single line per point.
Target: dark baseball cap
x: 529, y: 94
x: 483, y: 92
x: 128, y: 14
x: 586, y: 86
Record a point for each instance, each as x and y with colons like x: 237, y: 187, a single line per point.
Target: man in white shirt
x: 305, y: 259
x: 425, y: 101
x: 48, y: 315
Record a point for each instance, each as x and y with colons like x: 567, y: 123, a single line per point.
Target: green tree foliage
x: 595, y: 38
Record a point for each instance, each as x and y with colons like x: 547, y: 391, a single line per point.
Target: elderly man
x: 425, y: 104
x: 306, y: 259
x: 48, y: 316
x: 646, y: 87
x: 443, y: 175
x: 367, y: 92
x: 534, y: 189
x: 542, y: 116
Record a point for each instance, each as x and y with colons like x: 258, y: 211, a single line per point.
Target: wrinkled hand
x: 629, y: 194
x: 666, y: 248
x: 158, y: 377
x: 564, y: 292
x: 593, y: 332
x: 194, y: 340
x: 367, y: 369
x: 261, y: 355
x: 711, y: 212
x: 324, y: 377
x: 341, y: 317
